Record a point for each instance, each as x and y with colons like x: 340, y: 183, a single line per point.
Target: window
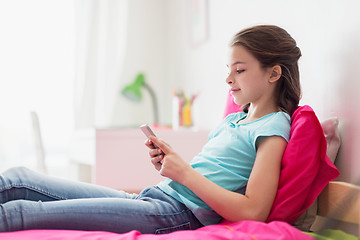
x: 37, y: 74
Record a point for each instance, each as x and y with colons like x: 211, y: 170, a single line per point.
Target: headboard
x: 340, y: 201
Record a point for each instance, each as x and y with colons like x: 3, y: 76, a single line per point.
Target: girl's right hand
x: 171, y: 164
x: 156, y: 154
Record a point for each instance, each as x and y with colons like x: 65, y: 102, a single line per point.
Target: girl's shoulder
x: 282, y: 116
x: 277, y: 119
x: 279, y: 124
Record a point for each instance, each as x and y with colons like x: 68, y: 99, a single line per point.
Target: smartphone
x: 148, y: 132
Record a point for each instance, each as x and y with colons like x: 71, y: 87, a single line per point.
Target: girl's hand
x: 171, y: 164
x: 156, y: 154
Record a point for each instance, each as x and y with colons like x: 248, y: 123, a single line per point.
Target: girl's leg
x: 22, y: 183
x: 151, y: 212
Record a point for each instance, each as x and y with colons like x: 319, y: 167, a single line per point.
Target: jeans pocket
x: 184, y: 226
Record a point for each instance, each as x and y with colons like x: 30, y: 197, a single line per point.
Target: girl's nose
x: 229, y: 79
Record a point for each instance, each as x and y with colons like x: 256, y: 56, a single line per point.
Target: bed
x: 307, y: 184
x: 338, y: 200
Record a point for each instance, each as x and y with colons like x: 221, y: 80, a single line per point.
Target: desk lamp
x: 133, y: 93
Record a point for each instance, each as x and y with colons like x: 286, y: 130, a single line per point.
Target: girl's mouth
x: 235, y: 89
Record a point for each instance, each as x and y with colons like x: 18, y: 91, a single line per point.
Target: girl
x: 234, y: 177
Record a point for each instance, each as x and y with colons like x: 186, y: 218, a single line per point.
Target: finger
x: 161, y: 144
x: 155, y: 152
x: 157, y: 159
x: 149, y: 144
x: 157, y: 162
x: 157, y: 166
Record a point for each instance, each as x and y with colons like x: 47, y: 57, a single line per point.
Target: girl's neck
x: 256, y: 112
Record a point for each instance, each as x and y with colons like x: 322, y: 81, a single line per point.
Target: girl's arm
x: 261, y: 188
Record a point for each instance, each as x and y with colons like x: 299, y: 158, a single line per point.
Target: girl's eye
x: 239, y: 71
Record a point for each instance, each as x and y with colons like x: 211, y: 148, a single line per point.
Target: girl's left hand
x: 173, y: 166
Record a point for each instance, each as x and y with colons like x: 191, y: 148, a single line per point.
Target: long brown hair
x: 272, y: 45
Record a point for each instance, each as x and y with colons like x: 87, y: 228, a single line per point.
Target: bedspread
x: 244, y: 230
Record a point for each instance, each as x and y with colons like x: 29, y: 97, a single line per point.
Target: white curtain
x: 100, y: 33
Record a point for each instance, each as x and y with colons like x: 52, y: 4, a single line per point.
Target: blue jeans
x: 30, y: 200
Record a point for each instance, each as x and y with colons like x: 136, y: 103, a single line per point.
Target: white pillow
x: 331, y: 131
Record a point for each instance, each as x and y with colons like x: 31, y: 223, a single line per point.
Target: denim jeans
x: 30, y: 200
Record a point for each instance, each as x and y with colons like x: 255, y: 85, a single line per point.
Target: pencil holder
x: 183, y: 107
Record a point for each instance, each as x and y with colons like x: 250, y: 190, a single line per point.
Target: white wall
x: 327, y: 32
x: 320, y: 28
x: 145, y: 53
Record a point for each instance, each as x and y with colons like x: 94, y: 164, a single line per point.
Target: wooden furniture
x: 340, y: 201
x: 122, y: 159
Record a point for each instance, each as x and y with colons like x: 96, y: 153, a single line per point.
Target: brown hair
x: 272, y: 45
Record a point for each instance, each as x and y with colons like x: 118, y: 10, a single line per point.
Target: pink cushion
x: 306, y: 169
x: 231, y: 106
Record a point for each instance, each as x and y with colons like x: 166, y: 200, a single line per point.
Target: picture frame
x: 198, y: 21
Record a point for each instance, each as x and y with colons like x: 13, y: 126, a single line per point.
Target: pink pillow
x: 305, y: 167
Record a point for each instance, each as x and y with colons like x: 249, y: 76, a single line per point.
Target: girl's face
x: 249, y: 82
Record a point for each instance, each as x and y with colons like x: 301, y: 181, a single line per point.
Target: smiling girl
x: 234, y: 177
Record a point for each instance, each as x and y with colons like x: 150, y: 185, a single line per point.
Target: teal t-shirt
x: 228, y: 158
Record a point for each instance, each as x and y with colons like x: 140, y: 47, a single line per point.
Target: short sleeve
x: 278, y: 125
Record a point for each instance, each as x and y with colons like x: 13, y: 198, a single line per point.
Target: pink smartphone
x: 148, y: 132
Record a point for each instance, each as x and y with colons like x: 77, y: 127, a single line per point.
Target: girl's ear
x: 275, y: 73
